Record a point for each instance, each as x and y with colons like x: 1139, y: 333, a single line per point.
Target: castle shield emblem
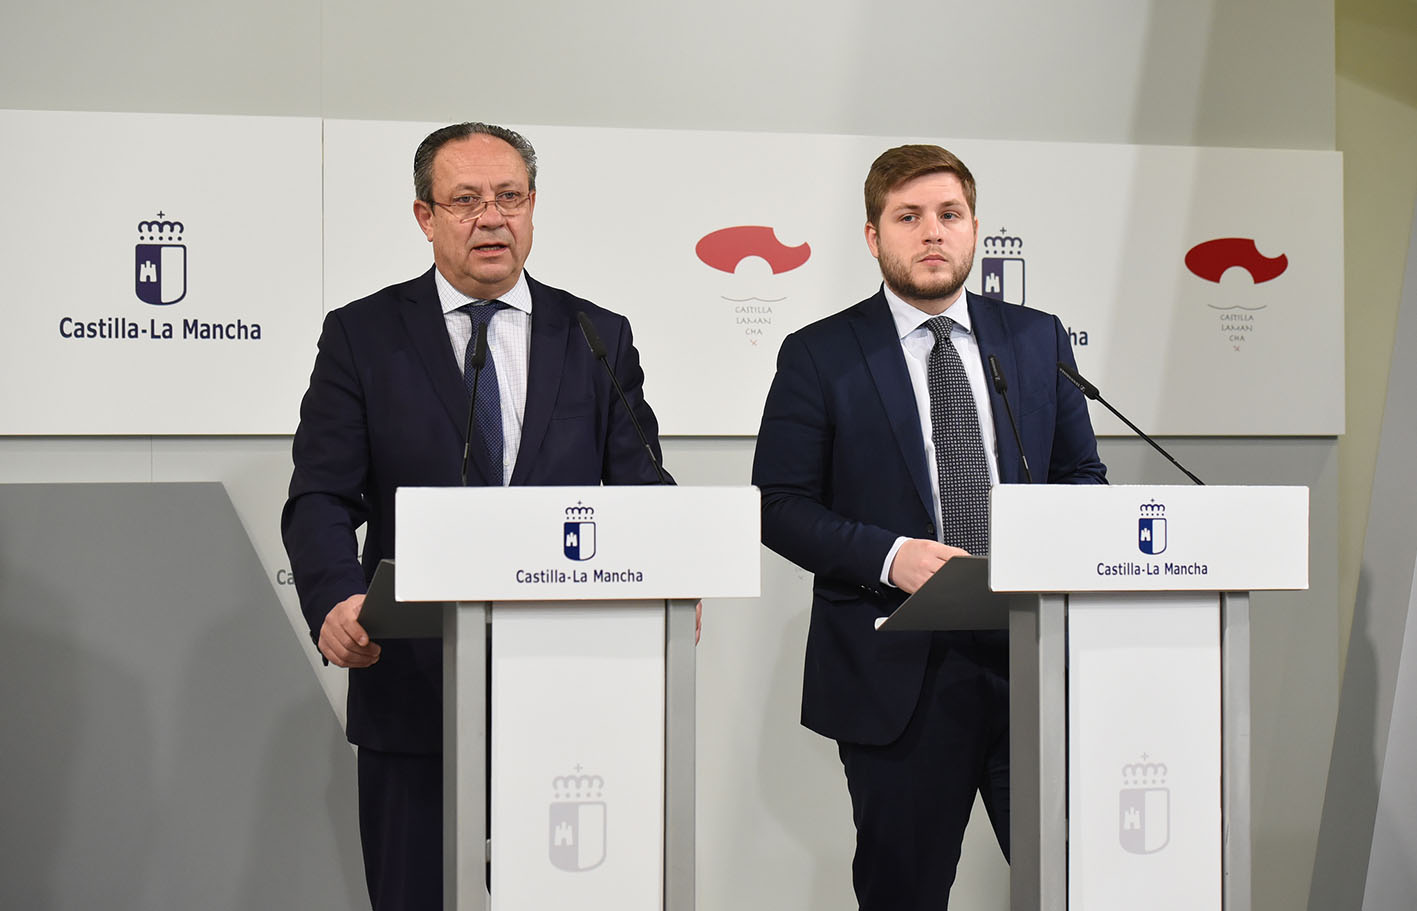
x: 160, y: 262
x: 577, y: 823
x: 1151, y: 528
x: 1144, y: 808
x: 578, y: 533
x: 1145, y: 819
x: 1151, y: 535
x: 1001, y: 268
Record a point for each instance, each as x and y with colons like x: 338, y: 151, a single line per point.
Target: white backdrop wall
x: 774, y: 825
x: 1206, y: 271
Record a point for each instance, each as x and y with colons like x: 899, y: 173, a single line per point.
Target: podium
x: 1128, y: 617
x: 568, y: 612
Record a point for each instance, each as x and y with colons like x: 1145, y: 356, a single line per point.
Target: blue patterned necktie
x: 959, y: 448
x: 487, y: 410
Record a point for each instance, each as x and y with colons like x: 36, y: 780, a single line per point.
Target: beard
x: 896, y: 273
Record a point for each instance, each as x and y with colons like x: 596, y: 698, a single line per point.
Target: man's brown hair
x: 905, y: 163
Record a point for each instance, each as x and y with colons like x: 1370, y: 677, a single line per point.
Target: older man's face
x: 481, y: 258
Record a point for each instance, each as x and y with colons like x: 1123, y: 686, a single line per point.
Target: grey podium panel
x: 165, y: 743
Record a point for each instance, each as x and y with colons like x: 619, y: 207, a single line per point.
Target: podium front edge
x: 465, y: 811
x: 1236, y: 862
x: 1038, y: 760
x: 679, y: 754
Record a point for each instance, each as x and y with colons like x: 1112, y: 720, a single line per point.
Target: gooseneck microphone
x: 1003, y: 388
x: 479, y: 360
x: 597, y: 350
x: 1091, y: 392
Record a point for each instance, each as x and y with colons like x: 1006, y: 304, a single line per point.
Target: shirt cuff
x: 890, y: 558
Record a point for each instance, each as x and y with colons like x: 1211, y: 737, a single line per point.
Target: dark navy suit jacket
x: 387, y: 408
x: 841, y: 464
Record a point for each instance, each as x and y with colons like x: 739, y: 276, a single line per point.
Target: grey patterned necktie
x: 959, y: 448
x: 487, y: 410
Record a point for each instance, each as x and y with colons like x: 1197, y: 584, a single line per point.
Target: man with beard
x: 388, y: 407
x: 879, y: 442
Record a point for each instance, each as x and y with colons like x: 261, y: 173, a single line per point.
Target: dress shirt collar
x: 518, y: 298
x: 909, y: 318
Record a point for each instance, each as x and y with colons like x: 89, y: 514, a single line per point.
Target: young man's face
x: 925, y: 240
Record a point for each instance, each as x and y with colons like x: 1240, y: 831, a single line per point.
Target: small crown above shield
x: 160, y: 229
x: 1153, y: 510
x: 579, y: 513
x: 1143, y: 773
x: 1003, y: 242
x: 578, y: 786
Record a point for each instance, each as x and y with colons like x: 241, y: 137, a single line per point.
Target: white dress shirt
x: 917, y: 342
x: 508, y: 344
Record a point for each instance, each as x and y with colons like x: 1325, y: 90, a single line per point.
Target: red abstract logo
x: 725, y: 248
x: 1211, y: 259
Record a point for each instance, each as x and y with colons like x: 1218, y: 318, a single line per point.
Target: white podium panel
x: 578, y: 756
x: 1129, y: 700
x: 1144, y: 752
x: 582, y: 598
x: 578, y: 543
x: 1079, y: 538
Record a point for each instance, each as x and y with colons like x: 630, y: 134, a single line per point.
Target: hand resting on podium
x: 342, y: 640
x: 917, y: 560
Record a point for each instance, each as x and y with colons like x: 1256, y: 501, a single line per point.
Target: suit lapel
x: 550, y: 325
x: 876, y: 333
x: 422, y: 314
x: 987, y: 321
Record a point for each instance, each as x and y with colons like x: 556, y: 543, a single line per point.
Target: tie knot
x: 940, y: 326
x: 482, y: 311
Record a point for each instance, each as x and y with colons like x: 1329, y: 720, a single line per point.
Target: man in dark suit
x: 388, y: 406
x: 879, y: 442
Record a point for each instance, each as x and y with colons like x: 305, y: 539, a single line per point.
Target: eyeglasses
x: 470, y: 208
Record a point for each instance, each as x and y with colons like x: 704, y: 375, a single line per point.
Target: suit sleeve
x: 792, y: 467
x: 626, y: 461
x: 327, y: 501
x: 1074, y: 458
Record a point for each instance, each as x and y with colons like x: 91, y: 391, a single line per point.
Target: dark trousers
x: 912, y: 798
x: 401, y: 829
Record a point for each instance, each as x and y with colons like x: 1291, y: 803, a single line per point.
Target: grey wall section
x: 1392, y: 863
x: 1371, y: 793
x: 774, y: 821
x: 1184, y: 72
x: 202, y: 57
x: 165, y: 744
x: 1166, y: 71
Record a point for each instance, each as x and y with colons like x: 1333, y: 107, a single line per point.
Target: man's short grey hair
x: 428, y: 150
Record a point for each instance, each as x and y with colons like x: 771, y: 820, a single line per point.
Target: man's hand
x: 917, y: 560
x: 343, y: 640
x: 698, y: 621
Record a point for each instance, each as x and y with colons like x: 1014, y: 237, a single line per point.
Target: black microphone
x: 597, y: 350
x: 1091, y: 392
x: 1003, y: 389
x: 479, y: 360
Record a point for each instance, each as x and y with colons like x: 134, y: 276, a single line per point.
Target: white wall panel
x: 1190, y: 280
x: 174, y: 289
